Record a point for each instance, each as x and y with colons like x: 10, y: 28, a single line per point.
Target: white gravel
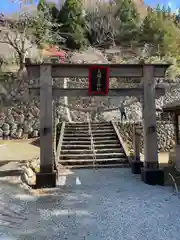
x: 106, y: 204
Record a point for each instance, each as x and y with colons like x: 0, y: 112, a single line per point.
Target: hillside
x: 141, y: 7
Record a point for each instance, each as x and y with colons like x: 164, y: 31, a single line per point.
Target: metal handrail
x: 91, y: 137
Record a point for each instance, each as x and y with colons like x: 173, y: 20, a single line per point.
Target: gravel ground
x: 106, y: 204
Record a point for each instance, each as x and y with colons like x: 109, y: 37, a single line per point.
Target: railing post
x: 91, y: 138
x: 136, y: 164
x: 137, y: 141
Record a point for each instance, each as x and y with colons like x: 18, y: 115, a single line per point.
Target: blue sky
x: 6, y: 6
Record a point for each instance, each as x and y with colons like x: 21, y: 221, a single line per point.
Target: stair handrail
x: 59, y: 146
x: 91, y: 138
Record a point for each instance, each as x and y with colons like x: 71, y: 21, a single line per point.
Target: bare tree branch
x: 101, y: 24
x: 19, y: 33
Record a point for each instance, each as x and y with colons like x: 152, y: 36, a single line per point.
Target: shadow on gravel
x: 101, y: 201
x: 38, y: 216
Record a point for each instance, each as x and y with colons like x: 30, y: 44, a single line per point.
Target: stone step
x: 87, y: 128
x: 105, y: 141
x: 83, y: 161
x: 76, y: 141
x: 88, y: 137
x: 79, y: 151
x: 99, y: 130
x: 109, y: 129
x: 97, y: 146
x: 89, y: 156
x: 88, y: 142
x: 95, y: 134
x: 101, y: 134
x: 69, y: 131
x: 111, y: 137
x: 86, y: 123
x: 89, y: 166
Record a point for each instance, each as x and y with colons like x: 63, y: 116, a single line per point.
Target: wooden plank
x: 46, y: 127
x: 74, y: 92
x: 81, y: 70
x: 149, y: 114
x: 172, y: 107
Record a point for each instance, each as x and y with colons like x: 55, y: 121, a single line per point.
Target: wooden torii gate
x: 151, y: 174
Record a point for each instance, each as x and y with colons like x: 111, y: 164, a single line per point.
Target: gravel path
x: 106, y: 204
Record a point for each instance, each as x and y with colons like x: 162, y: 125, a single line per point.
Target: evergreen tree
x: 161, y: 33
x: 46, y: 25
x: 73, y: 23
x: 158, y: 10
x: 164, y: 12
x: 42, y: 5
x: 169, y: 12
x: 177, y: 19
x: 128, y: 18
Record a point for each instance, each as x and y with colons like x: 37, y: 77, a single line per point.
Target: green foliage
x: 73, y: 24
x: 128, y: 19
x: 45, y: 25
x: 107, y: 23
x: 42, y: 5
x: 160, y: 31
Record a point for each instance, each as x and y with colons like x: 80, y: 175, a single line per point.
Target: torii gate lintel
x: 151, y: 174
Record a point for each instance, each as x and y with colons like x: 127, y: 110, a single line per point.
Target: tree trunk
x: 21, y: 62
x: 21, y: 70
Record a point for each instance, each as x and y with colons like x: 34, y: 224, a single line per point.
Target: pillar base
x: 136, y: 166
x: 152, y: 176
x: 45, y: 180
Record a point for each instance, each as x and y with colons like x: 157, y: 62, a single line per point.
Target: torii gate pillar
x: 47, y: 176
x: 151, y: 174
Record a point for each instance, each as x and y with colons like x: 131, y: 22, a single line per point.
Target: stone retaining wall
x: 165, y: 132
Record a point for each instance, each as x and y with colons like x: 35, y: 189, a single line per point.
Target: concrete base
x: 152, y: 176
x: 136, y: 166
x: 45, y: 180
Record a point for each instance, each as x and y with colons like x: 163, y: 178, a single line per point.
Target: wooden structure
x: 174, y: 109
x: 136, y: 163
x: 147, y: 92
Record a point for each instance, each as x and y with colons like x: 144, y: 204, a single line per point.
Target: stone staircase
x: 102, y: 148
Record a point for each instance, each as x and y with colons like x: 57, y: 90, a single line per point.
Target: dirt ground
x: 18, y: 150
